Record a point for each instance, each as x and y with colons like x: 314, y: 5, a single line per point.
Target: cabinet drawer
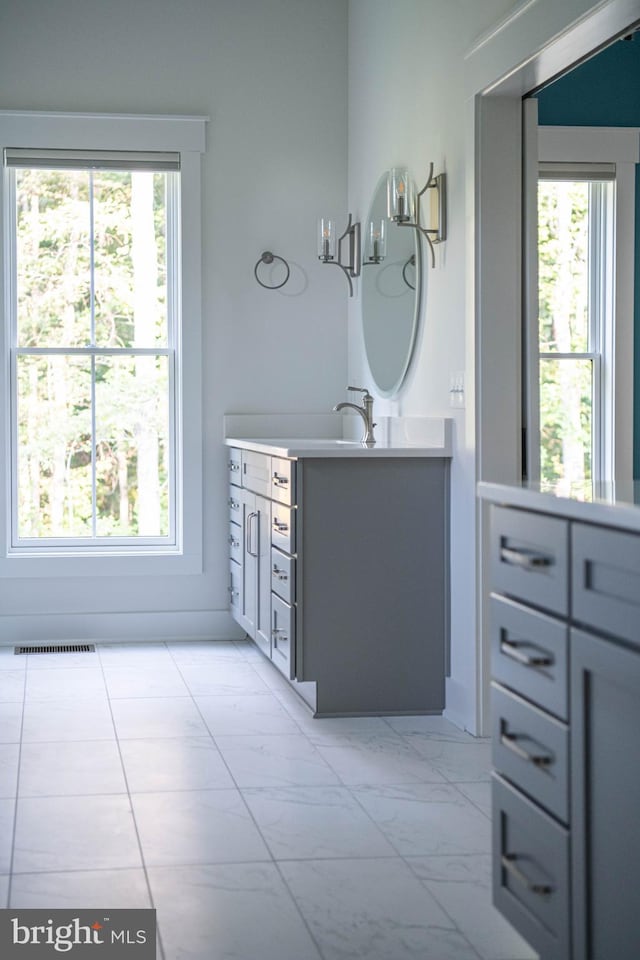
x: 234, y: 466
x: 235, y: 542
x: 283, y: 530
x: 530, y: 748
x: 256, y: 472
x: 282, y: 480
x: 235, y: 589
x: 606, y: 580
x: 283, y: 636
x: 529, y: 558
x: 531, y: 871
x: 529, y: 654
x: 235, y: 505
x: 283, y: 572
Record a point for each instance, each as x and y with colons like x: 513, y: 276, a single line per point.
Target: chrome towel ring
x: 268, y: 257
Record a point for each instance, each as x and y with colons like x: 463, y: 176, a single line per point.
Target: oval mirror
x: 391, y: 292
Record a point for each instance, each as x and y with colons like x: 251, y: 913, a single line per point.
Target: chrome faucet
x: 365, y: 411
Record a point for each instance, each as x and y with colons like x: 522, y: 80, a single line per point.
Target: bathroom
x: 306, y: 106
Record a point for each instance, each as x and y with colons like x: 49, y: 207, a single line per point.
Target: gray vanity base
x: 347, y: 595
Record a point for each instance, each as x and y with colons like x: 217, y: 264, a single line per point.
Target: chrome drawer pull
x: 280, y: 481
x: 234, y: 542
x: 279, y: 574
x: 233, y: 466
x: 275, y: 633
x: 508, y: 861
x: 510, y: 649
x: 280, y: 526
x: 234, y: 504
x: 510, y: 741
x: 527, y: 559
x: 234, y: 593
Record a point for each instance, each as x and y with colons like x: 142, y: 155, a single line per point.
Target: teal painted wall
x: 605, y: 92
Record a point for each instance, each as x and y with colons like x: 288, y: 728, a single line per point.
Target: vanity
x: 339, y: 568
x: 565, y: 648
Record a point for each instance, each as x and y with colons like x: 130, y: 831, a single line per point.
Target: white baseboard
x: 182, y: 625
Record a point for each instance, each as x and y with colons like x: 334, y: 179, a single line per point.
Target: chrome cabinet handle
x: 510, y: 649
x: 234, y: 466
x: 233, y: 541
x: 526, y: 559
x: 249, y: 538
x: 280, y: 481
x: 234, y: 504
x: 508, y: 861
x: 510, y: 741
x: 279, y: 574
x: 280, y: 526
x: 234, y: 593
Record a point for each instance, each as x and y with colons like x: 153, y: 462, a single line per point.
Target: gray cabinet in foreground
x: 566, y: 722
x: 358, y: 579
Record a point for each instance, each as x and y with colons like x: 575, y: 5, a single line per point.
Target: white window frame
x: 96, y: 132
x: 600, y: 334
x: 617, y: 149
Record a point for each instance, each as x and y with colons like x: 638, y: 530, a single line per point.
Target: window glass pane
x: 566, y: 424
x: 54, y: 447
x: 132, y: 443
x: 130, y: 215
x: 563, y: 266
x: 53, y: 258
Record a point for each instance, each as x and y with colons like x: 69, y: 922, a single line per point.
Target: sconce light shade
x: 404, y: 210
x: 376, y: 241
x: 399, y: 195
x: 326, y: 239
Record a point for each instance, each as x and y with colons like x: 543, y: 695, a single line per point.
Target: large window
x: 100, y: 345
x: 93, y: 347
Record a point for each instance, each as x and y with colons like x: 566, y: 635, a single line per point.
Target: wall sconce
x: 376, y: 249
x: 404, y: 210
x: 330, y: 247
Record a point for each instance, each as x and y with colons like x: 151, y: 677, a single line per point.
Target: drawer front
x: 530, y: 748
x: 529, y: 654
x: 235, y: 590
x: 256, y: 472
x: 283, y: 527
x: 235, y: 505
x: 529, y: 558
x: 606, y: 580
x: 234, y: 466
x: 283, y: 636
x: 531, y: 871
x: 283, y: 572
x: 235, y: 542
x: 282, y: 480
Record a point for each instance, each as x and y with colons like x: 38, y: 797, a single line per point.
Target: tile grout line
x: 133, y: 812
x: 15, y: 805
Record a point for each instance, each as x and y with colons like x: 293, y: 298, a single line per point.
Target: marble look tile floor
x: 189, y: 777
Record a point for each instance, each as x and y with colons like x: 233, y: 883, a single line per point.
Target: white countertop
x: 296, y: 447
x: 609, y: 511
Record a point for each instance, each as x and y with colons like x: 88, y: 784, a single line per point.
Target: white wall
x: 272, y: 76
x: 407, y: 106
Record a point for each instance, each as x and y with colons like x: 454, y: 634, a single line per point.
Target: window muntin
x: 93, y: 357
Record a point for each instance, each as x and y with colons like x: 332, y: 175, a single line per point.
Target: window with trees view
x: 93, y: 347
x: 575, y: 284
